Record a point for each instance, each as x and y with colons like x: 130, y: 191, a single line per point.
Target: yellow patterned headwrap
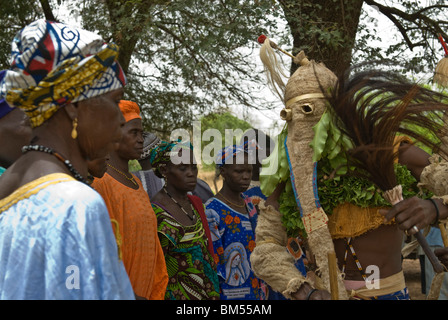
x: 54, y: 64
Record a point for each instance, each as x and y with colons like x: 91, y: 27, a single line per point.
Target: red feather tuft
x: 261, y: 39
x: 441, y: 41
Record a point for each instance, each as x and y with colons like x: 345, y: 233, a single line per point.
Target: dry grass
x: 412, y: 273
x: 208, y: 176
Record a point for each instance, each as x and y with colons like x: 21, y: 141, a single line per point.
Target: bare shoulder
x: 23, y: 171
x: 414, y: 158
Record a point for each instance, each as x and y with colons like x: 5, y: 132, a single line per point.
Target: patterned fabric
x: 53, y: 64
x: 233, y: 235
x: 191, y: 268
x: 56, y: 242
x: 255, y: 195
x: 150, y: 141
x: 254, y: 192
x: 5, y: 108
x: 227, y: 153
x: 163, y: 153
x: 399, y: 295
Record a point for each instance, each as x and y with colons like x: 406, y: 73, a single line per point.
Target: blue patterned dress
x: 233, y: 235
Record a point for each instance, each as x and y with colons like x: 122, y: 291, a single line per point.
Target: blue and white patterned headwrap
x: 227, y: 153
x: 53, y: 64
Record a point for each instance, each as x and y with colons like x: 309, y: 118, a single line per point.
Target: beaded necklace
x: 67, y: 163
x: 349, y: 246
x: 192, y: 217
x: 230, y: 202
x: 125, y: 175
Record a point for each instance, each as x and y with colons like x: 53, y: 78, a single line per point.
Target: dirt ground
x: 411, y: 269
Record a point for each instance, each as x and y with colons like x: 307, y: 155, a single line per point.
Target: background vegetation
x: 186, y: 59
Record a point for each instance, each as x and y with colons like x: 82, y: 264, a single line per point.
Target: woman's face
x: 237, y: 176
x: 131, y: 144
x: 182, y: 176
x: 99, y: 124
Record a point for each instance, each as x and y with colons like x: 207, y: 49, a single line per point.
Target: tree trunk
x: 324, y: 29
x: 48, y: 12
x: 127, y: 34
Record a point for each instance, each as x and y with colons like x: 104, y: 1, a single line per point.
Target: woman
x: 56, y: 239
x: 232, y: 217
x: 182, y: 226
x: 151, y: 183
x: 131, y: 212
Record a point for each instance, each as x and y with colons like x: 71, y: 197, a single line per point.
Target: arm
x: 414, y: 158
x: 272, y: 262
x: 432, y: 174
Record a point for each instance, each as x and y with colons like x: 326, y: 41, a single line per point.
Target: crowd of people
x: 76, y: 223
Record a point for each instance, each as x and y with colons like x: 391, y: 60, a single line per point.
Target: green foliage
x: 134, y: 165
x: 414, y: 47
x: 231, y: 129
x: 196, y: 54
x: 181, y: 58
x: 14, y: 15
x: 341, y: 189
x: 330, y: 143
x: 275, y: 168
x: 191, y: 57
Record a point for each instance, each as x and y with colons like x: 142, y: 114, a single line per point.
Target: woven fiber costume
x: 304, y: 96
x: 323, y: 200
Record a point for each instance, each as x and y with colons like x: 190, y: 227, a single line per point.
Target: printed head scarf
x: 53, y: 64
x: 150, y: 141
x: 130, y: 110
x: 163, y: 152
x: 227, y: 153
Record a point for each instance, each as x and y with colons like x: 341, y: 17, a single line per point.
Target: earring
x: 75, y: 125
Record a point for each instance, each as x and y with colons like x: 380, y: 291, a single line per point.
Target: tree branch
x: 47, y: 10
x: 432, y: 26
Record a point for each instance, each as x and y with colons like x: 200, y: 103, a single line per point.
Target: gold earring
x: 75, y: 125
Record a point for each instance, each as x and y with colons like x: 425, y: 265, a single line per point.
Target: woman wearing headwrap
x: 182, y: 225
x: 56, y: 239
x: 131, y: 212
x: 151, y: 183
x: 232, y: 217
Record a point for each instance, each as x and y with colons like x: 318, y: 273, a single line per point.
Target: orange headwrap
x: 130, y: 110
